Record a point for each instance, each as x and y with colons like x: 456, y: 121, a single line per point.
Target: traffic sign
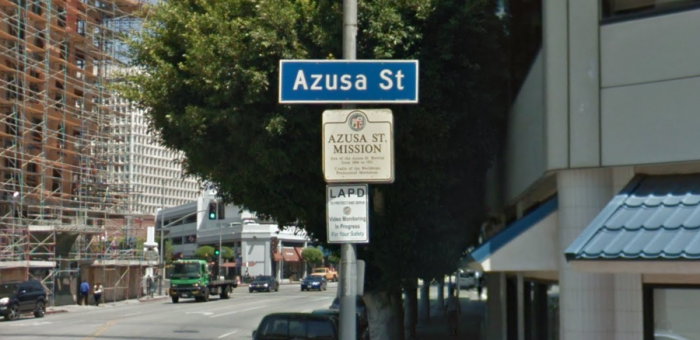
x: 348, y: 81
x: 347, y: 209
x: 358, y: 146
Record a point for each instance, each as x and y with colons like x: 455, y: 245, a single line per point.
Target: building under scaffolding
x: 58, y: 187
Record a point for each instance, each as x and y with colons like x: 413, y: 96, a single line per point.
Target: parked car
x: 22, y: 297
x: 264, y: 283
x: 360, y: 307
x: 296, y: 326
x: 314, y: 282
x: 362, y: 325
x: 467, y: 279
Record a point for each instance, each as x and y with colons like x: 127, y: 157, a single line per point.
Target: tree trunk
x: 425, y: 301
x: 385, y: 314
x: 441, y: 291
x: 411, y: 309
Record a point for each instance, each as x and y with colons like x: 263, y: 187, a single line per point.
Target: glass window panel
x: 675, y: 314
x: 320, y: 330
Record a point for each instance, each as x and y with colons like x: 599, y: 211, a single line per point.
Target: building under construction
x: 62, y: 180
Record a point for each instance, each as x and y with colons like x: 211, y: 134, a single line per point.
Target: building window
x: 632, y: 9
x: 61, y: 17
x: 670, y: 312
x: 176, y: 240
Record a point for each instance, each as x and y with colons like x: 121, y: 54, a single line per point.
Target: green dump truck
x: 198, y: 279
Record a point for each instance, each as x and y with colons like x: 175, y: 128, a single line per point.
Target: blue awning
x: 653, y: 218
x: 519, y: 246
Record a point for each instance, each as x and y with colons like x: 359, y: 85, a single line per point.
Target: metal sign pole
x: 348, y: 276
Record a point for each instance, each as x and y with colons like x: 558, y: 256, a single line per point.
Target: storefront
x: 522, y: 280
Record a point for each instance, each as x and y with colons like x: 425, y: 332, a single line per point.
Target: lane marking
x: 227, y: 334
x: 202, y: 313
x: 101, y: 330
x: 238, y: 311
x: 35, y: 323
x: 132, y: 314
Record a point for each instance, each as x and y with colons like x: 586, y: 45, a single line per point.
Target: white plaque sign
x: 347, y: 213
x: 358, y: 146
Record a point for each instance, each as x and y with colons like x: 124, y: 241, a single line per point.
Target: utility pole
x: 220, y: 227
x: 162, y: 249
x: 348, y: 275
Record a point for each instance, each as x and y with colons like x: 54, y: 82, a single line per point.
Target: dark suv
x: 22, y: 297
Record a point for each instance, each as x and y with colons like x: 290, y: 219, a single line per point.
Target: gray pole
x: 162, y: 249
x: 348, y: 275
x: 218, y: 264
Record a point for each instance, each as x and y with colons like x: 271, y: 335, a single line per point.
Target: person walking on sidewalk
x: 97, y: 293
x: 84, y: 291
x: 453, y: 309
x: 150, y: 286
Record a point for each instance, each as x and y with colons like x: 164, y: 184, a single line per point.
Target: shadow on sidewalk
x: 469, y: 327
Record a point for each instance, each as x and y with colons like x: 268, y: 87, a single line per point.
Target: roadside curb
x: 153, y: 299
x: 55, y: 311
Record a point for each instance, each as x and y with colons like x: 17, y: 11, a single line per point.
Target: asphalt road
x: 234, y: 318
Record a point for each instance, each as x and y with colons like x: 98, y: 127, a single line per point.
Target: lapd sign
x: 347, y: 213
x: 358, y: 146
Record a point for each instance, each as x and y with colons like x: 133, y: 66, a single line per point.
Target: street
x: 234, y: 318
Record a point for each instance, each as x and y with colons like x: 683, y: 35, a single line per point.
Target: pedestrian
x: 453, y: 309
x: 97, y: 293
x: 84, y: 291
x: 149, y: 286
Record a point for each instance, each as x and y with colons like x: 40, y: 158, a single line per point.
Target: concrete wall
x: 258, y: 251
x: 649, y: 101
x: 555, y: 50
x: 525, y: 143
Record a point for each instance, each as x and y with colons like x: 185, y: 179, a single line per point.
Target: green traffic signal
x: 216, y: 252
x: 213, y: 207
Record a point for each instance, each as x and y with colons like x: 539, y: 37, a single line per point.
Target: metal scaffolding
x: 61, y: 170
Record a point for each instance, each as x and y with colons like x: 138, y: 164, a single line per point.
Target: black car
x: 296, y: 326
x: 22, y: 297
x: 264, y: 283
x: 360, y: 307
x: 314, y: 282
x: 362, y: 325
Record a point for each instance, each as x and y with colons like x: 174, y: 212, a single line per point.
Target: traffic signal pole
x: 348, y: 267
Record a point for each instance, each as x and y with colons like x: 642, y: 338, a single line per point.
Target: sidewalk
x: 470, y: 321
x: 74, y: 308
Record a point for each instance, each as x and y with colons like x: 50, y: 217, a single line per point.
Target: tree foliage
x: 334, y: 259
x: 205, y: 253
x: 168, y: 251
x: 226, y: 253
x: 312, y: 256
x: 208, y: 79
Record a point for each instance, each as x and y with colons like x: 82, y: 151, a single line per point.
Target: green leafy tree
x: 226, y: 253
x: 334, y: 259
x: 312, y: 256
x: 205, y: 253
x: 208, y: 79
x: 168, y: 252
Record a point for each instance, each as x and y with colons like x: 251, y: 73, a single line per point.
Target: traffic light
x: 213, y: 210
x: 216, y: 252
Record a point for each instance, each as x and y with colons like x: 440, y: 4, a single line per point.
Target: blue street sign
x: 348, y: 81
